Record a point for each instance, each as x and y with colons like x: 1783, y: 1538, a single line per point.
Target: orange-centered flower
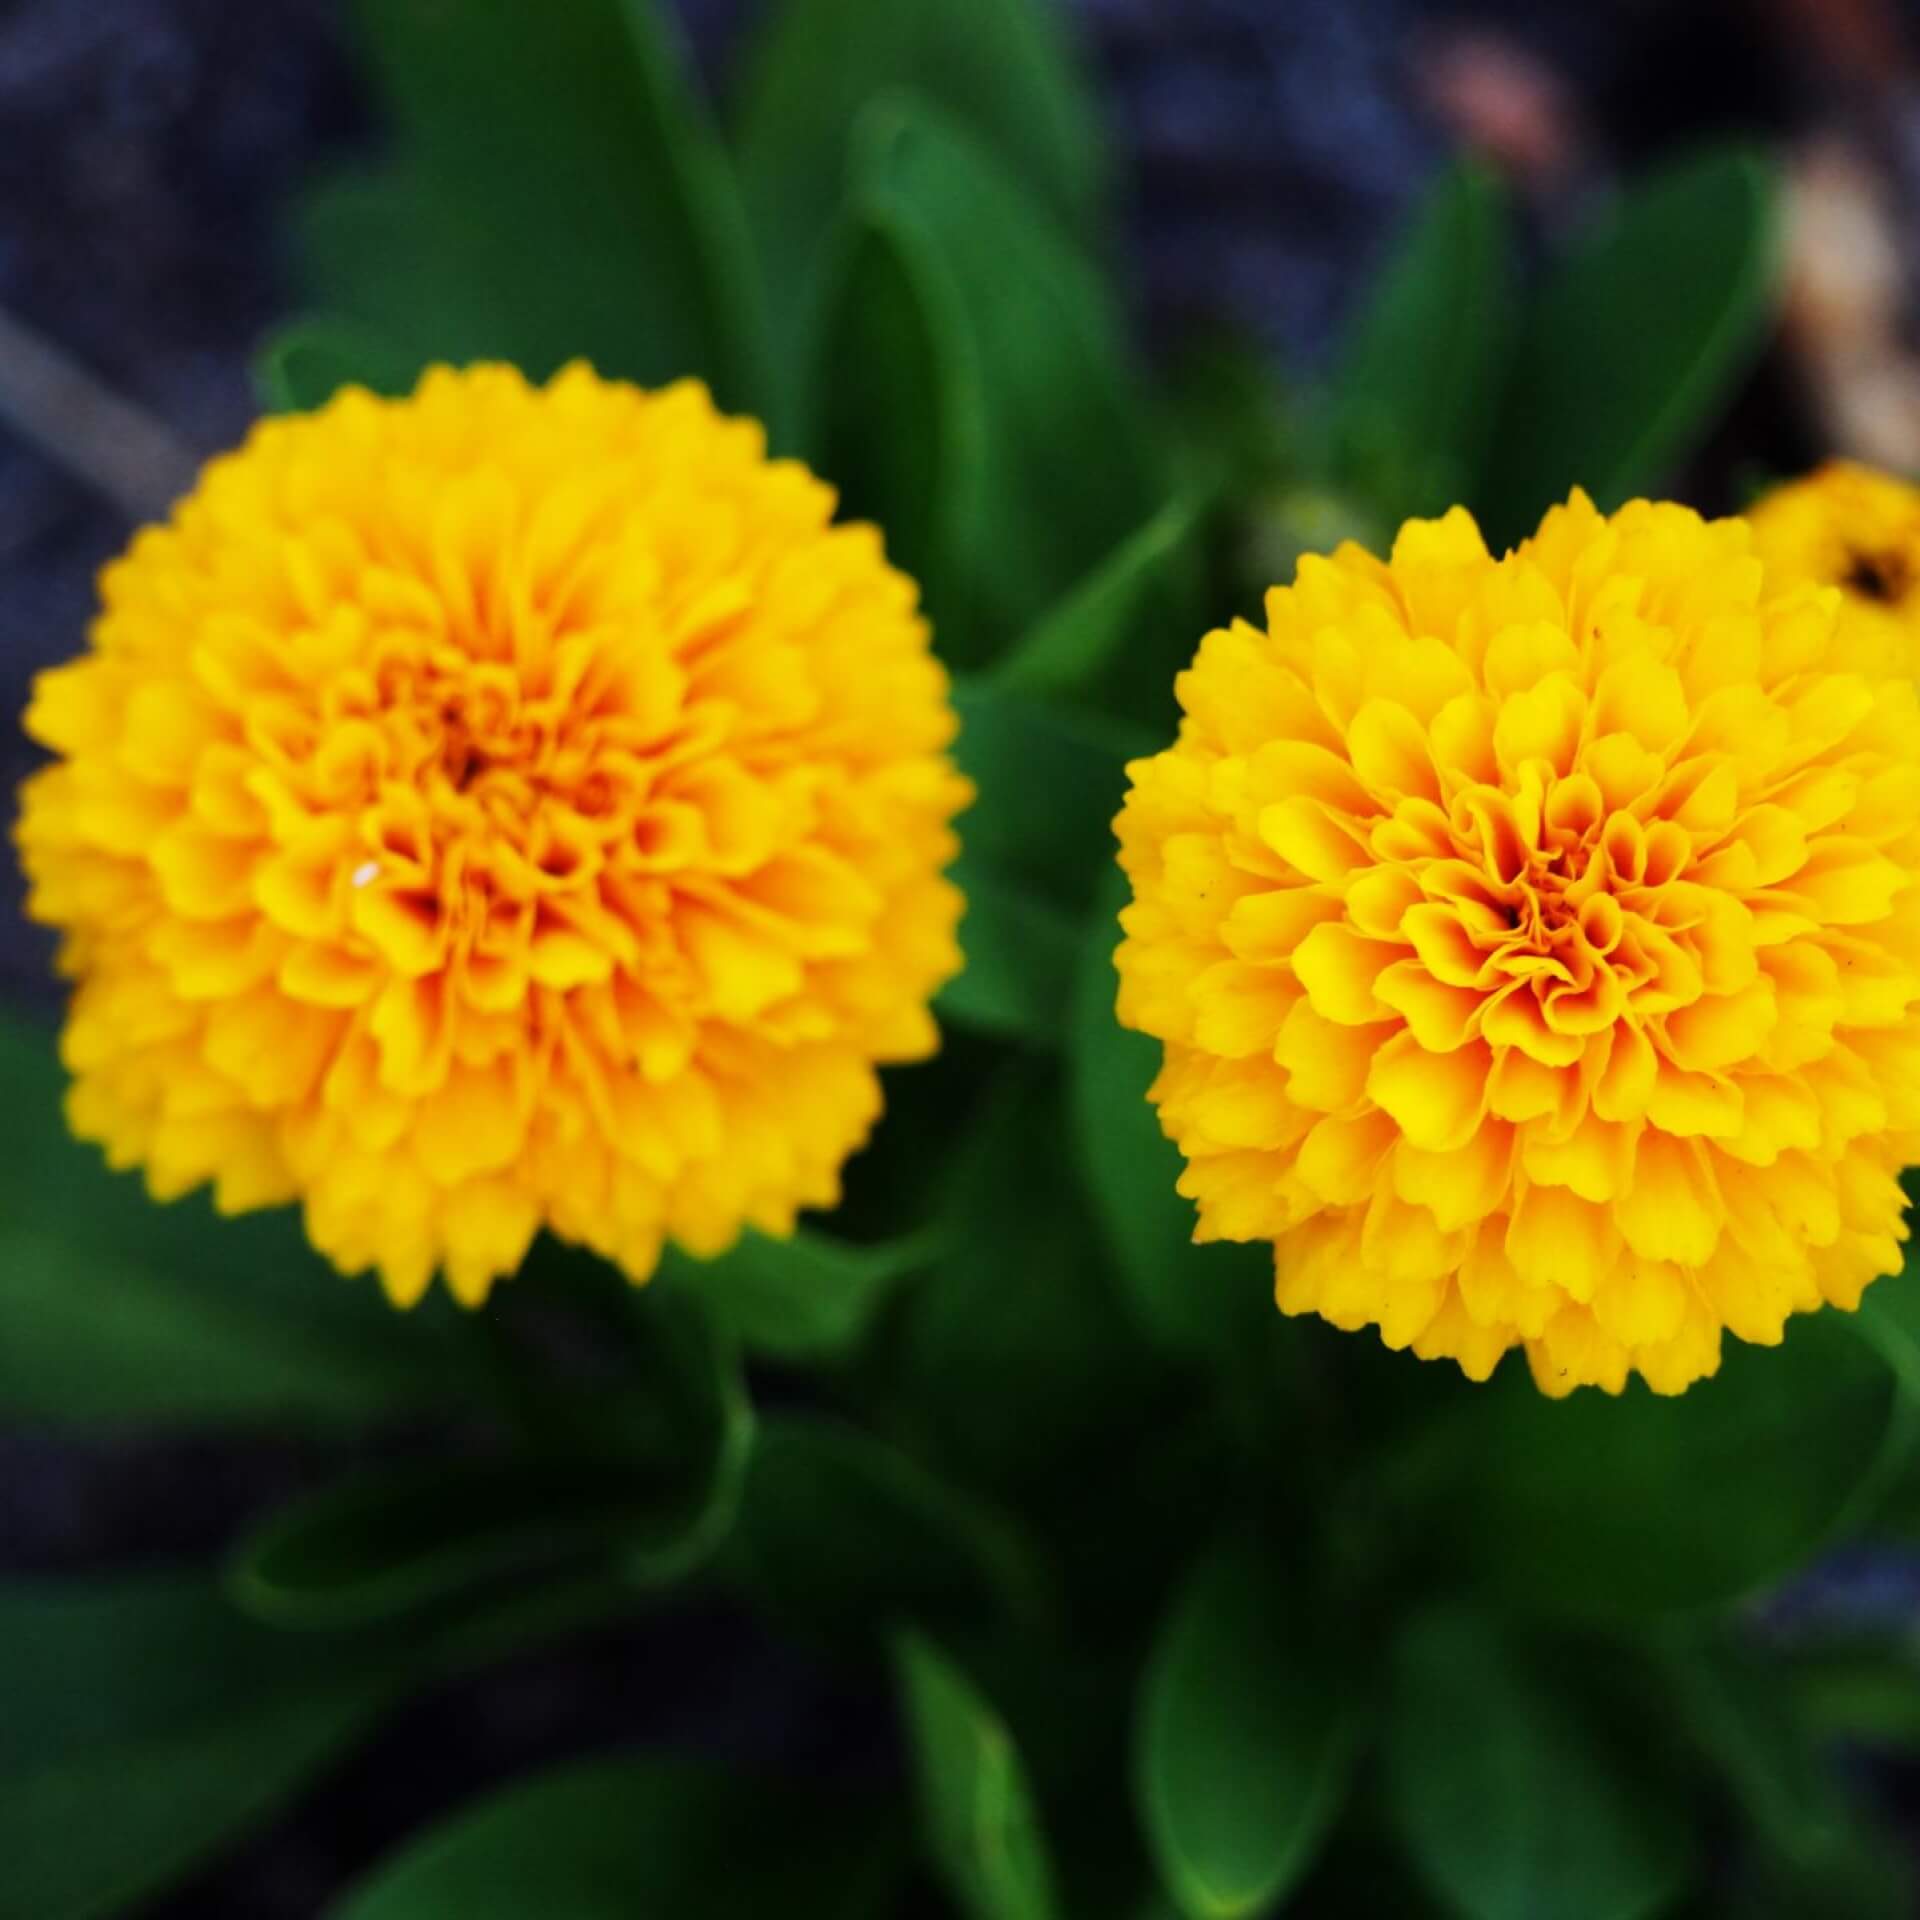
x: 1850, y: 527
x: 498, y: 808
x: 1536, y: 944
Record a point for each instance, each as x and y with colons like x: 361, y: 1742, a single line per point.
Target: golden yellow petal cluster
x: 500, y: 808
x: 1857, y: 529
x: 1535, y: 943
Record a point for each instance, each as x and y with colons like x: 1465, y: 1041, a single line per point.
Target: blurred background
x: 148, y: 152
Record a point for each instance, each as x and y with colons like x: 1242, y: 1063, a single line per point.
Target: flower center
x: 1884, y: 576
x: 1573, y: 911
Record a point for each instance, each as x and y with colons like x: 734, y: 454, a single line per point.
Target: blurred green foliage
x: 1191, y: 1611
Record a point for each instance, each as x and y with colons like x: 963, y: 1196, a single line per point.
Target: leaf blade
x: 1192, y: 1298
x: 999, y: 67
x: 1097, y: 643
x: 1596, y: 1508
x: 114, y: 1308
x: 1244, y: 1746
x: 808, y: 1297
x: 1056, y: 375
x: 1578, y: 1835
x: 148, y: 1695
x: 1641, y: 333
x: 977, y: 1813
x: 1418, y: 388
x: 836, y: 1527
x: 612, y: 230
x: 304, y: 363
x: 607, y: 1838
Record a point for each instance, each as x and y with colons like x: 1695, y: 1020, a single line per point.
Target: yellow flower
x: 1536, y: 944
x: 1851, y: 527
x: 498, y: 808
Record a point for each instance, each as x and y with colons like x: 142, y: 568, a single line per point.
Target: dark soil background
x: 147, y: 148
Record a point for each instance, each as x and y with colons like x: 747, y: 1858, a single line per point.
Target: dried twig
x: 115, y: 447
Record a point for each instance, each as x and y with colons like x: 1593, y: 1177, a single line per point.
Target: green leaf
x: 1034, y: 845
x: 306, y: 362
x: 558, y: 193
x: 1192, y: 1297
x: 617, y: 1839
x: 805, y: 1298
x: 1598, y: 1506
x: 1869, y: 1695
x: 1816, y: 1848
x: 1068, y: 467
x: 905, y: 441
x: 112, y: 1307
x: 976, y: 1811
x: 1235, y: 418
x: 1889, y: 1317
x: 998, y: 66
x: 413, y: 260
x: 1510, y: 1801
x: 1742, y: 1713
x: 1020, y: 956
x: 1120, y: 635
x: 1419, y: 384
x: 147, y: 1724
x: 1246, y: 1738
x: 841, y: 1533
x: 1637, y: 340
x: 397, y: 1540
x: 1049, y: 783
x: 652, y: 1489
x: 1069, y: 1381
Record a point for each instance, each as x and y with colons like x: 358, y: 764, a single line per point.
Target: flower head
x: 497, y: 808
x: 1536, y: 944
x: 1857, y: 529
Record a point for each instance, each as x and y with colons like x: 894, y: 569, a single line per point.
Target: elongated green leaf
x: 1419, y: 385
x: 690, y: 1365
x: 843, y: 1534
x: 1600, y: 1506
x: 114, y: 1308
x: 1246, y: 1738
x: 396, y: 1540
x: 306, y: 362
x: 1192, y: 1297
x: 805, y: 1298
x: 146, y: 1725
x: 1020, y: 959
x: 1747, y: 1723
x: 1890, y: 1319
x: 1049, y: 783
x: 1869, y: 1695
x: 623, y: 1838
x: 1887, y: 1504
x: 1508, y: 1799
x: 1036, y: 842
x: 1068, y: 1380
x: 1815, y: 1846
x: 998, y: 66
x: 90, y: 1835
x: 1069, y: 467
x: 412, y: 260
x: 1637, y: 340
x: 976, y: 1811
x: 558, y: 193
x: 1118, y: 638
x: 652, y: 1491
x: 905, y: 439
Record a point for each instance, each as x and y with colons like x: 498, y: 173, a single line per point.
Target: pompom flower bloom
x: 1535, y: 943
x: 498, y: 808
x: 1857, y: 529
